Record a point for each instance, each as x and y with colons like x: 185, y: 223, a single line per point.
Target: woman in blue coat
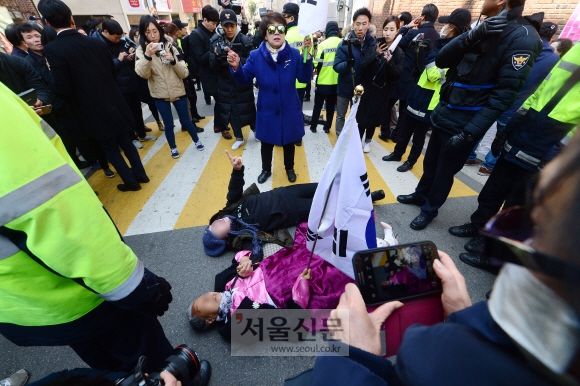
x: 276, y: 66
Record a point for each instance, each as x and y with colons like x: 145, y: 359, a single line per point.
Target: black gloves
x: 350, y: 62
x: 457, y: 143
x: 163, y: 298
x: 490, y: 26
x: 500, y: 139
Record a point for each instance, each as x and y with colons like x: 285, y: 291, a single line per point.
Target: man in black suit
x: 83, y: 74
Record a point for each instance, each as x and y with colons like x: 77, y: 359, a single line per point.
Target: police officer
x: 487, y: 67
x: 290, y: 12
x: 65, y: 280
x: 544, y: 119
x: 327, y: 78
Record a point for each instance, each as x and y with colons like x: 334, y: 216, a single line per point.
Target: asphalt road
x: 178, y: 256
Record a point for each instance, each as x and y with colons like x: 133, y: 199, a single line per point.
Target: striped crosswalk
x: 186, y: 192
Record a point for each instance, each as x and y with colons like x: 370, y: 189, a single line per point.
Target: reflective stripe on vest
x: 522, y: 156
x: 7, y: 248
x: 35, y: 193
x: 128, y: 286
x: 568, y: 66
x: 416, y: 112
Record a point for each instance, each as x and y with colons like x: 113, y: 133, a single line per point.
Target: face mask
x: 443, y: 32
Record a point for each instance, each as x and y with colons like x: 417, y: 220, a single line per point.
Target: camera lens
x: 183, y: 363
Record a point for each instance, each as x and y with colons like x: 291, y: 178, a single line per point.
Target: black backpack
x: 191, y: 63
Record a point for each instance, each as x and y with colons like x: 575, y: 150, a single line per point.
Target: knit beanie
x: 212, y: 245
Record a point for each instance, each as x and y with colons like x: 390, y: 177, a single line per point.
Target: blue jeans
x: 473, y: 154
x: 490, y: 161
x: 180, y: 105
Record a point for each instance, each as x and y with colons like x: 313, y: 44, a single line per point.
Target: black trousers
x: 400, y: 122
x: 267, y: 152
x: 301, y: 196
x: 134, y: 103
x: 386, y: 123
x: 319, y: 100
x: 308, y: 90
x: 370, y: 131
x: 111, y: 148
x: 507, y: 185
x: 67, y: 140
x: 191, y: 96
x: 417, y: 129
x: 301, y: 93
x: 438, y: 172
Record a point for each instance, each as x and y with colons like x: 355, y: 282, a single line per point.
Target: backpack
x: 191, y: 62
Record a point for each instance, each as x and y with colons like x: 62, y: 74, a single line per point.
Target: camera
x: 351, y: 38
x: 419, y: 42
x: 183, y: 364
x: 222, y: 44
x: 129, y: 44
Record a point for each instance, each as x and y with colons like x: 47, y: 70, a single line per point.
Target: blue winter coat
x: 279, y: 115
x: 345, y: 87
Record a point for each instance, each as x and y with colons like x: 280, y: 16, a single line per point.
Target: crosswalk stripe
x: 187, y: 192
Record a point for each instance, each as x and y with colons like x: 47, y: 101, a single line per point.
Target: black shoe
x: 476, y: 245
x: 405, y: 167
x: 183, y: 128
x: 129, y: 187
x: 420, y: 222
x: 306, y: 99
x: 263, y: 176
x: 299, y: 143
x: 313, y: 129
x: 392, y: 157
x: 478, y: 261
x: 208, y: 102
x: 465, y: 230
x: 291, y: 175
x: 204, y: 374
x: 326, y: 130
x: 83, y: 164
x: 307, y: 119
x: 384, y: 137
x: 194, y: 121
x: 199, y: 129
x: 199, y: 117
x: 322, y: 122
x: 108, y: 173
x: 377, y: 195
x: 410, y: 199
x: 143, y: 180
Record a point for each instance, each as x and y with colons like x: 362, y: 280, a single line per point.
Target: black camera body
x: 420, y: 42
x: 222, y: 44
x: 129, y: 44
x: 183, y: 364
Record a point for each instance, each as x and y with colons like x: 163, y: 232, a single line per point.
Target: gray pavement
x: 178, y: 256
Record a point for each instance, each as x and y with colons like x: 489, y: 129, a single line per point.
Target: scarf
x: 238, y: 226
x: 274, y: 51
x: 225, y: 306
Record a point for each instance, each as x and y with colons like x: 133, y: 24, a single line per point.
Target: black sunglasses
x: 507, y: 241
x: 273, y: 28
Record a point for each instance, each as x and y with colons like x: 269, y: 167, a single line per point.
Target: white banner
x: 163, y: 6
x: 348, y: 225
x: 135, y: 5
x: 313, y: 16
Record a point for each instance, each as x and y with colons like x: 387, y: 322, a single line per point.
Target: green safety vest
x: 294, y: 39
x: 44, y: 196
x: 328, y: 47
x: 568, y: 109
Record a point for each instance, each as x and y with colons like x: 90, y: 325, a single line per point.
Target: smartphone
x: 237, y: 9
x: 381, y: 41
x: 28, y: 96
x: 46, y: 109
x: 397, y: 272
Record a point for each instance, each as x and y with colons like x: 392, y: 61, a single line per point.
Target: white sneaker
x: 147, y: 138
x: 367, y: 147
x: 19, y: 378
x: 237, y: 144
x: 174, y: 153
x: 137, y: 144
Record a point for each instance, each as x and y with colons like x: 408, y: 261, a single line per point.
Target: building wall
x: 26, y: 7
x: 557, y: 11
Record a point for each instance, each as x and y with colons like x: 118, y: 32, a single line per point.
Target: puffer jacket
x: 165, y: 80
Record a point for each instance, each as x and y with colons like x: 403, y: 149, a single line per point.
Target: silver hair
x: 197, y: 323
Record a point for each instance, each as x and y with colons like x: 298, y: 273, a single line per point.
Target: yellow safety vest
x: 81, y: 260
x: 294, y: 39
x: 328, y: 47
x: 568, y: 109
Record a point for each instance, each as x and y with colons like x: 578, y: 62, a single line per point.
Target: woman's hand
x: 357, y: 327
x: 168, y: 56
x: 233, y: 59
x: 307, y: 46
x: 151, y: 49
x: 245, y: 268
x: 306, y: 274
x: 388, y: 56
x: 381, y: 48
x: 237, y: 162
x: 455, y: 296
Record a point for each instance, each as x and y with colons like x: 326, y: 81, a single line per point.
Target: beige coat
x: 165, y: 80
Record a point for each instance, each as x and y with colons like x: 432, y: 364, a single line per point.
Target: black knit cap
x: 291, y: 9
x: 461, y: 18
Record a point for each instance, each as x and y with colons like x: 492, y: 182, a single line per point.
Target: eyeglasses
x: 273, y: 28
x: 152, y: 32
x: 508, y: 236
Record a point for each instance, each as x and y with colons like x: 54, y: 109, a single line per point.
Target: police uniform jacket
x: 484, y: 77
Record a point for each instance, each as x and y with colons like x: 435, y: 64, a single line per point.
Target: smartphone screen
x: 396, y: 273
x: 381, y: 41
x: 237, y: 9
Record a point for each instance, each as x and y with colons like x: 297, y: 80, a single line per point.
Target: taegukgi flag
x: 313, y: 15
x: 348, y: 224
